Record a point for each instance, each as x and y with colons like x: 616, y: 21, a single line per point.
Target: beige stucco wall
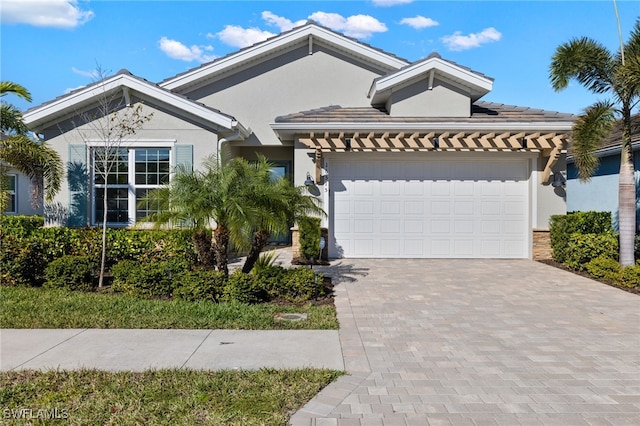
x: 161, y: 128
x: 550, y: 200
x: 416, y: 100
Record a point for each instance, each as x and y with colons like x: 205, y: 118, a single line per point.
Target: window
x: 9, y: 185
x: 130, y: 173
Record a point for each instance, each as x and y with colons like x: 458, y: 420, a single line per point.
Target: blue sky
x: 53, y: 46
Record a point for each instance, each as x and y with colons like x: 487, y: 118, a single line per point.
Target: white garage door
x: 428, y: 209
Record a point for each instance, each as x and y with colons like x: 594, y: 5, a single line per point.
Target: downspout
x: 235, y: 135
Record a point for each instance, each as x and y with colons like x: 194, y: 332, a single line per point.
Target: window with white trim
x: 9, y: 185
x: 130, y: 173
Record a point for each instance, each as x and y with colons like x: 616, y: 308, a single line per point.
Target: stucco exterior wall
x: 23, y: 195
x: 550, y: 200
x: 291, y: 82
x: 417, y: 100
x: 162, y: 128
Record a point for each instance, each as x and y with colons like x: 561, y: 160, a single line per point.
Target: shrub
x: 604, y: 268
x: 630, y: 277
x: 20, y: 226
x: 148, y: 279
x: 309, y: 228
x: 300, y: 285
x: 243, y: 288
x: 270, y: 278
x: 582, y: 248
x: 22, y: 261
x: 72, y: 273
x: 561, y: 228
x: 200, y: 285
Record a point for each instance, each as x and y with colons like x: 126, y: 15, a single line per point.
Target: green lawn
x: 24, y: 307
x: 171, y: 397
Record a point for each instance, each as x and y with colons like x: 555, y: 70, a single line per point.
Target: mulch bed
x: 585, y: 274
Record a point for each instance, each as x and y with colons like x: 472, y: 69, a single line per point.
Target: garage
x: 435, y: 205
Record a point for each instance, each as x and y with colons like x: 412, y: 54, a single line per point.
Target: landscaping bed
x: 551, y: 262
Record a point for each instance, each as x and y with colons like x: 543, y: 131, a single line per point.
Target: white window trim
x: 15, y: 193
x: 131, y: 188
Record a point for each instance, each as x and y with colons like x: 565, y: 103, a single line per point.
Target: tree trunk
x: 627, y: 195
x: 260, y: 240
x: 202, y: 242
x: 103, y: 256
x: 221, y: 248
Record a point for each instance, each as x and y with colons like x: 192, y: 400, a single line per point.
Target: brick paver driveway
x: 471, y: 342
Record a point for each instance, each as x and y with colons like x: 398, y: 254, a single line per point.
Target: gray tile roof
x: 128, y: 73
x: 308, y: 23
x: 615, y: 137
x: 480, y: 112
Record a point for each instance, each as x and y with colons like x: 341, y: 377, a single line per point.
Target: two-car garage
x: 429, y: 205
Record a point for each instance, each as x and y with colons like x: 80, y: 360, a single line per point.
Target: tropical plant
x: 41, y: 164
x: 602, y: 72
x: 278, y: 205
x: 198, y: 199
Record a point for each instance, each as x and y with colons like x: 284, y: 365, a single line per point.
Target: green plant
x: 20, y: 226
x: 604, y: 268
x: 309, y: 228
x: 200, y: 285
x: 266, y: 260
x: 561, y: 228
x: 582, y: 248
x: 244, y: 288
x: 300, y: 285
x: 72, y: 273
x: 630, y: 277
x: 147, y: 279
x: 270, y: 278
x: 23, y: 261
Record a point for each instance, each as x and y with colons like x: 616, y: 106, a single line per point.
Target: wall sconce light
x: 309, y: 181
x: 347, y: 144
x: 436, y: 143
x: 558, y: 180
x: 523, y: 143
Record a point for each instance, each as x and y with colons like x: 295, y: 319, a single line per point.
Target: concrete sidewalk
x: 138, y: 350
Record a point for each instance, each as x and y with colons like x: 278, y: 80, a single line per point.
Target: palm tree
x: 201, y: 198
x: 36, y: 160
x: 278, y: 205
x: 602, y: 72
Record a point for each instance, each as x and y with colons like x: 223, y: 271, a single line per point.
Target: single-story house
x: 601, y: 192
x: 407, y: 160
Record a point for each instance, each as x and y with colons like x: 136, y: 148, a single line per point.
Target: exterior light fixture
x: 309, y: 181
x: 436, y: 143
x: 558, y: 180
x: 347, y: 144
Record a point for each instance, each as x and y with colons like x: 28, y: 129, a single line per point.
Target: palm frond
x: 9, y: 87
x: 585, y: 60
x: 11, y: 121
x: 588, y: 132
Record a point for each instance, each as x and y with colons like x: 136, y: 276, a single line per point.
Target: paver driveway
x: 509, y: 342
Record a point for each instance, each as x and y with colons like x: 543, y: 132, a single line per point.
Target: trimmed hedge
x: 72, y: 273
x: 154, y: 278
x: 562, y: 227
x: 582, y: 248
x: 309, y: 228
x: 200, y: 285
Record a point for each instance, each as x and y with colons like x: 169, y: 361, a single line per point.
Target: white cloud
x: 283, y: 23
x: 457, y: 41
x: 45, y: 13
x: 419, y: 22
x: 73, y: 89
x: 93, y: 74
x: 388, y: 3
x: 176, y: 50
x: 357, y: 26
x: 237, y: 36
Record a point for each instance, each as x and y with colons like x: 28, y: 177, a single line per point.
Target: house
x: 18, y: 190
x: 405, y: 157
x: 601, y: 192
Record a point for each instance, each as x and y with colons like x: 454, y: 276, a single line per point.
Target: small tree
x: 112, y: 122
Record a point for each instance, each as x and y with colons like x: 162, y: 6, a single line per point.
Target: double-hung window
x: 127, y: 175
x: 9, y: 185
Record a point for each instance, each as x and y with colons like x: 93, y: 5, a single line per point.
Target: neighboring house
x: 18, y: 187
x: 407, y: 160
x: 601, y: 192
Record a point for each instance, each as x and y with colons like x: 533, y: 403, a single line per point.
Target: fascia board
x: 291, y: 128
x: 482, y: 84
x: 49, y: 112
x: 266, y: 47
x: 614, y: 150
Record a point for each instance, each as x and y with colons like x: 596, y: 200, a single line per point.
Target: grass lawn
x: 176, y: 397
x: 24, y: 307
